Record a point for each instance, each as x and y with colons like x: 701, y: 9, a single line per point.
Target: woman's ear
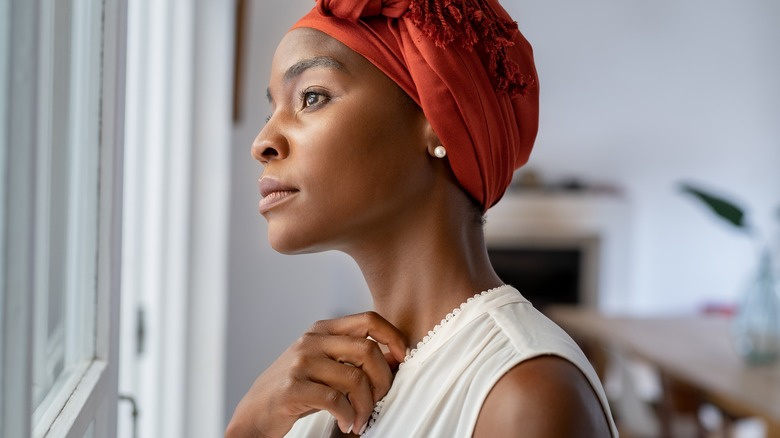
x: 432, y: 142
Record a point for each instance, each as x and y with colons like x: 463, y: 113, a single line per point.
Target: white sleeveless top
x: 441, y: 386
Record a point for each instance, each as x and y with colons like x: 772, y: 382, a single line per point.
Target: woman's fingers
x: 351, y: 381
x: 391, y: 360
x: 353, y: 362
x: 325, y: 398
x: 361, y: 354
x: 364, y: 325
x: 337, y: 366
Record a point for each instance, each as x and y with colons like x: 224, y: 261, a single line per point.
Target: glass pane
x: 90, y: 431
x: 4, y: 81
x: 66, y: 202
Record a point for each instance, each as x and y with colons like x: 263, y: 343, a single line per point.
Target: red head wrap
x: 467, y: 66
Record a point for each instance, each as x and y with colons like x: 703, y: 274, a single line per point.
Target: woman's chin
x: 290, y: 245
x: 284, y: 247
x: 289, y: 237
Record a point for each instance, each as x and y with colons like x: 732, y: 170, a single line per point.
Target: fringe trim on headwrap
x: 477, y: 25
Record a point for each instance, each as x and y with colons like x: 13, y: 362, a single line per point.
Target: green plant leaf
x: 726, y: 210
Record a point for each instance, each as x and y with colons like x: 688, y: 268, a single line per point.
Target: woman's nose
x: 269, y: 145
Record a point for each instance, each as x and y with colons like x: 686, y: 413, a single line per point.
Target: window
x: 66, y: 190
x: 61, y: 70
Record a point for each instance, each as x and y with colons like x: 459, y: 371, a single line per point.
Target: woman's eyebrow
x: 301, y: 66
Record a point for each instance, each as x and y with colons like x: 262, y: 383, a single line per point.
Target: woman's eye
x: 312, y: 98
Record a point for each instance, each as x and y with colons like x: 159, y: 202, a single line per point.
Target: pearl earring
x: 440, y: 152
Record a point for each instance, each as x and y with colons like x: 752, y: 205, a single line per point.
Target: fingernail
x: 363, y: 429
x: 341, y: 428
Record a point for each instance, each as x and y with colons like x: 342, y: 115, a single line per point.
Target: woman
x: 395, y: 125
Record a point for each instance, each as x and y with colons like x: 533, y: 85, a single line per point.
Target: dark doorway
x: 544, y: 276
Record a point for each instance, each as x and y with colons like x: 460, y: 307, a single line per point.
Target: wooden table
x: 696, y: 350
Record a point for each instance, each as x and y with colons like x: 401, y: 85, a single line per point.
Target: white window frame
x: 90, y: 409
x: 177, y: 201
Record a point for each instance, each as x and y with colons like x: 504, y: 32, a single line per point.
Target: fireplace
x: 561, y: 247
x: 544, y: 275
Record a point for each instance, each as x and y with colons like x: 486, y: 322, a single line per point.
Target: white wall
x: 638, y: 94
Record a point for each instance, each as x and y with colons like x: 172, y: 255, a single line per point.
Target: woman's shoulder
x: 547, y: 396
x: 546, y: 386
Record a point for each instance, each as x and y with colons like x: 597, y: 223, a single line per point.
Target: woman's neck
x: 419, y: 275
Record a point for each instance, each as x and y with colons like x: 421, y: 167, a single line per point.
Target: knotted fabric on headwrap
x: 467, y: 66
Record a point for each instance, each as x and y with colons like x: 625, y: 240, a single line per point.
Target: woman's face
x: 344, y: 151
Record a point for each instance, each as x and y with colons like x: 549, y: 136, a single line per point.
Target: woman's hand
x: 332, y: 367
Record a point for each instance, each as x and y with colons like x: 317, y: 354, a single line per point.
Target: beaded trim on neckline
x: 410, y: 354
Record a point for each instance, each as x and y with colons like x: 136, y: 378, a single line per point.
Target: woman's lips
x: 273, y: 192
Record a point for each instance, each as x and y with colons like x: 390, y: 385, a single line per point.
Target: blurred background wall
x: 635, y: 95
